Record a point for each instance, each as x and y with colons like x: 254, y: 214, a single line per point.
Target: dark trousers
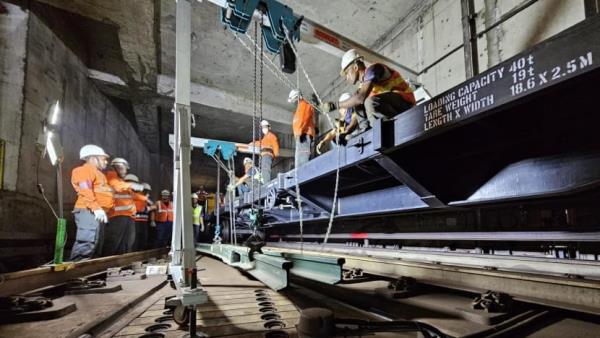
x: 90, y: 236
x: 386, y: 105
x: 119, y: 236
x: 164, y: 231
x: 141, y: 236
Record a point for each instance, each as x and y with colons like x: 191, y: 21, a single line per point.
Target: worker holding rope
x: 347, y: 126
x: 251, y: 173
x: 382, y: 90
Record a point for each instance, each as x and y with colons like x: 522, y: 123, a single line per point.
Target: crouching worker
x: 382, y: 90
x: 94, y: 200
x: 251, y: 179
x: 346, y: 125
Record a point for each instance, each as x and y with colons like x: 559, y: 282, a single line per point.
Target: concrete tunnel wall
x: 37, y: 69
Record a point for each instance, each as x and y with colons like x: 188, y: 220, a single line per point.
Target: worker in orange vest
x: 269, y: 150
x: 382, y: 90
x: 120, y: 231
x: 164, y: 219
x: 303, y: 126
x: 94, y: 200
x: 143, y: 207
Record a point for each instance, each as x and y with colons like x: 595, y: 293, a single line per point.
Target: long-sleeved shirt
x: 93, y: 190
x: 269, y: 145
x: 304, y: 122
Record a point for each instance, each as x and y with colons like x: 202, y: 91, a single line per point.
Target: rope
x: 260, y: 110
x: 337, y: 137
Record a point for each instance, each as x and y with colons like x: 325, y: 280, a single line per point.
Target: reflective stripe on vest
x: 395, y: 83
x: 124, y: 207
x: 122, y: 196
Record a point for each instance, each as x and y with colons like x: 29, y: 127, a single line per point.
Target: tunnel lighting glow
x: 52, y: 154
x: 54, y: 114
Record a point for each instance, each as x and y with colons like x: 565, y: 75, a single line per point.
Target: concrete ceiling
x: 222, y: 69
x: 221, y: 61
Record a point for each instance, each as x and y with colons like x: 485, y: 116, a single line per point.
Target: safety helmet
x: 247, y: 160
x: 194, y: 195
x: 344, y: 97
x: 165, y: 193
x: 121, y: 161
x: 265, y: 123
x: 349, y: 57
x: 132, y: 178
x: 294, y: 94
x: 91, y: 150
x: 147, y: 186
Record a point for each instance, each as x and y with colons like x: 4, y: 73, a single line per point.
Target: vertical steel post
x: 591, y: 7
x: 183, y: 235
x: 470, y: 38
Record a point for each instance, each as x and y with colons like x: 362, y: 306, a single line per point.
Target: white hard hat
x: 349, y: 57
x: 194, y: 195
x: 132, y: 177
x: 119, y: 160
x: 265, y: 123
x: 165, y: 193
x: 294, y: 94
x: 247, y: 160
x: 91, y: 150
x: 344, y: 97
x: 147, y: 186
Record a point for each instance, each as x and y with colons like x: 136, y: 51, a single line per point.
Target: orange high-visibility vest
x: 140, y: 201
x: 123, y: 196
x: 395, y: 83
x: 164, y: 212
x: 303, y: 122
x: 93, y: 191
x: 269, y: 145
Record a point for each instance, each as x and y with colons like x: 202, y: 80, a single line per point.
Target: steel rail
x: 528, y: 264
x: 13, y: 283
x: 517, y: 236
x: 561, y: 292
x: 272, y: 271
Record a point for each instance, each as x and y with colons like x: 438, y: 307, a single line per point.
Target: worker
x: 197, y: 219
x: 249, y: 180
x: 382, y: 90
x: 94, y: 200
x: 303, y: 126
x: 143, y: 206
x: 164, y: 220
x: 346, y: 125
x: 120, y: 231
x: 269, y: 149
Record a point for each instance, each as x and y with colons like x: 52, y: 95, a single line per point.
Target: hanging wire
x: 337, y: 137
x: 260, y: 110
x: 315, y: 106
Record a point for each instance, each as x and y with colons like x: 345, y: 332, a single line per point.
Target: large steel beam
x: 272, y: 271
x: 27, y: 280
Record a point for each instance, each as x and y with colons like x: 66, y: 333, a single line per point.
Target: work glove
x: 303, y: 138
x: 153, y: 224
x: 136, y: 186
x: 342, y: 139
x: 202, y: 228
x: 100, y: 216
x: 230, y: 187
x: 326, y: 107
x: 319, y: 147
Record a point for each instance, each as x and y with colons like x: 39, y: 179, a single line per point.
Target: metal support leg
x: 470, y: 38
x: 182, y: 247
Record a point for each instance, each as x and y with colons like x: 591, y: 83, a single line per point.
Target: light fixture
x: 54, y: 115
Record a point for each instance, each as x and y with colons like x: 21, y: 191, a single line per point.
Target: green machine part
x: 59, y: 244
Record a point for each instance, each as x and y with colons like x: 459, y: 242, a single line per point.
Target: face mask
x: 265, y: 130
